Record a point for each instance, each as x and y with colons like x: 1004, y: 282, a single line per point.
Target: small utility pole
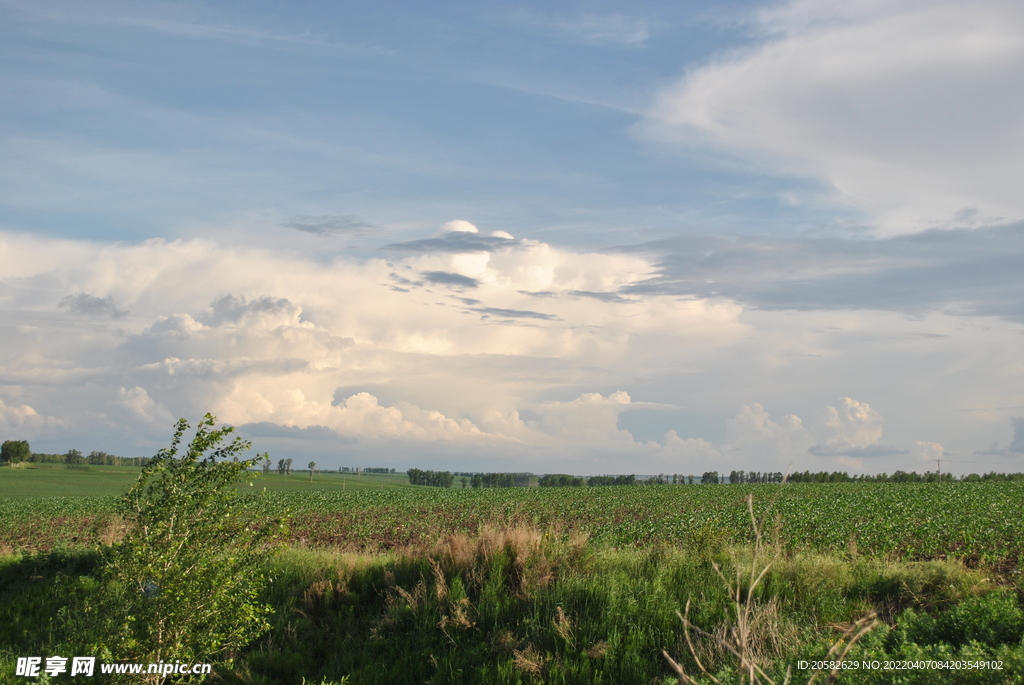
x: 938, y: 463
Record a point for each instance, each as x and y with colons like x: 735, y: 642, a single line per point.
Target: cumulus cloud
x: 908, y: 110
x: 139, y: 406
x: 930, y: 450
x: 259, y: 337
x: 458, y: 226
x: 24, y: 420
x: 532, y: 370
x: 752, y: 432
x: 1016, y: 445
x: 854, y: 430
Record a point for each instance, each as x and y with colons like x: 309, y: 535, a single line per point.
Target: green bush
x: 184, y: 583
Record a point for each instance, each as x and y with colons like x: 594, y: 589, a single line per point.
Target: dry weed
x: 598, y: 650
x: 528, y: 660
x: 756, y: 630
x: 112, y: 531
x: 563, y: 626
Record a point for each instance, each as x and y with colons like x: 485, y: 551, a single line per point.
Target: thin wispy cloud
x: 586, y: 28
x: 331, y: 225
x: 907, y: 110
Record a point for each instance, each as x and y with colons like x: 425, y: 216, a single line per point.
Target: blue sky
x: 597, y: 237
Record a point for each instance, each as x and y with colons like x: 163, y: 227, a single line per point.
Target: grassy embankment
x: 562, y: 596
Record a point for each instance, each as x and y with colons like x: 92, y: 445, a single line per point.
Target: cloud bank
x: 520, y: 356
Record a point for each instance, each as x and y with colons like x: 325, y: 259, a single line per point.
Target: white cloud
x: 259, y: 336
x: 375, y: 352
x: 753, y: 434
x: 909, y: 110
x: 930, y: 450
x: 139, y: 406
x: 24, y: 420
x: 459, y: 226
x: 853, y: 430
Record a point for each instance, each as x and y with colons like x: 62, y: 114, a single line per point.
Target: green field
x: 383, y: 582
x: 59, y: 480
x: 978, y: 523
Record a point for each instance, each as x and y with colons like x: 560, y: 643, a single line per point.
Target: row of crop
x: 979, y: 523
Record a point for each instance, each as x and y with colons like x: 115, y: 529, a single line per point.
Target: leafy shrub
x: 184, y: 582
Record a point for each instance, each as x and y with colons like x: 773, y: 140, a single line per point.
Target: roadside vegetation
x: 394, y: 583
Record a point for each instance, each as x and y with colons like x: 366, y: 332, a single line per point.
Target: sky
x: 593, y: 237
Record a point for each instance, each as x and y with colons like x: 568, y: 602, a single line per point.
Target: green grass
x: 979, y: 523
x: 391, y: 583
x: 331, y: 482
x: 517, y: 607
x: 59, y: 480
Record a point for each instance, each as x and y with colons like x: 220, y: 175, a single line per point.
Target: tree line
x: 19, y: 451
x: 438, y: 479
x: 498, y: 480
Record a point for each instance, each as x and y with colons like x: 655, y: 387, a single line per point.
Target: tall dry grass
x: 756, y: 632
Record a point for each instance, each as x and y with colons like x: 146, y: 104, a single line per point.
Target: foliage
x: 517, y: 607
x: 184, y: 582
x: 500, y: 480
x: 611, y: 480
x: 15, y: 451
x: 438, y: 479
x: 514, y: 606
x: 560, y: 480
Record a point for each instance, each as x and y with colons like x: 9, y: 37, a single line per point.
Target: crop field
x: 60, y: 480
x: 383, y: 582
x: 978, y: 523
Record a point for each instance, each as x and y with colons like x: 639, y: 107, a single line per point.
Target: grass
x: 517, y: 607
x: 60, y: 480
x: 393, y: 583
x: 331, y: 482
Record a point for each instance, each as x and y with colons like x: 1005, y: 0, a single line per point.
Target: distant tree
x: 281, y: 467
x: 438, y: 479
x: 15, y: 451
x: 266, y: 463
x: 288, y: 465
x: 100, y: 458
x: 74, y: 457
x: 312, y: 468
x: 709, y: 478
x: 560, y: 480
